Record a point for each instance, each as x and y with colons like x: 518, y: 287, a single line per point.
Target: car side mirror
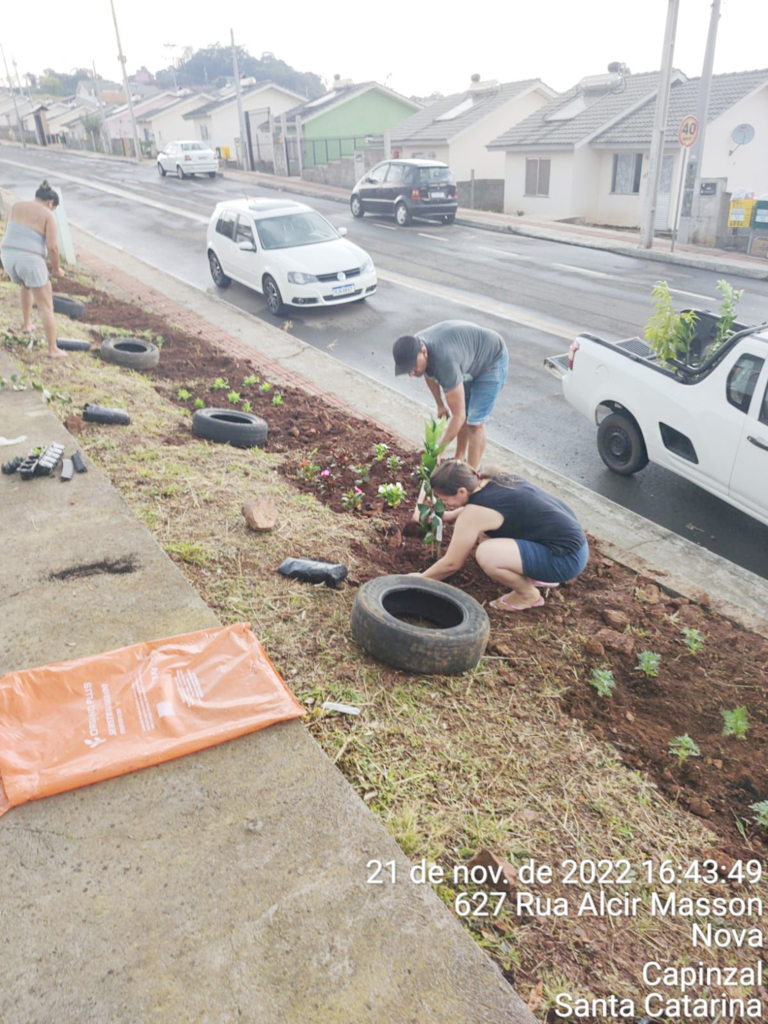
x: 342, y: 231
x: 369, y: 181
x: 246, y: 247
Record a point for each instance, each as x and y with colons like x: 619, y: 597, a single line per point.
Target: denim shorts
x: 540, y: 564
x: 481, y: 393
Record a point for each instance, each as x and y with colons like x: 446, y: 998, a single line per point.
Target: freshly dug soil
x: 610, y: 612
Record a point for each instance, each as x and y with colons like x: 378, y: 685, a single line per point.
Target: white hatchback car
x: 187, y: 158
x: 288, y: 252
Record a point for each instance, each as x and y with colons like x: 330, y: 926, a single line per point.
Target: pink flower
x: 358, y: 490
x: 325, y: 472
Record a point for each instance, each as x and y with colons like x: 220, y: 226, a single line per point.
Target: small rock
x: 691, y: 615
x: 293, y: 432
x: 594, y: 647
x: 667, y: 775
x: 74, y: 424
x: 613, y: 641
x: 652, y: 594
x: 703, y: 599
x: 615, y: 618
x: 629, y: 716
x: 529, y: 817
x: 484, y: 858
x: 700, y: 807
x: 260, y: 514
x: 718, y: 763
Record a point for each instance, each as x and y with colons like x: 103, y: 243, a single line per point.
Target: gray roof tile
x: 424, y: 126
x: 637, y: 128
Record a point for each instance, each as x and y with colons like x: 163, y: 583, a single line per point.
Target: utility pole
x: 659, y: 127
x: 240, y: 115
x: 13, y: 95
x: 126, y: 86
x: 690, y: 195
x: 104, y: 132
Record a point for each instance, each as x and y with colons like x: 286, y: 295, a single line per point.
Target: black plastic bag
x: 309, y: 571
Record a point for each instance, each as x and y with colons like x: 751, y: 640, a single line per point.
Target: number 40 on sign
x: 688, y: 131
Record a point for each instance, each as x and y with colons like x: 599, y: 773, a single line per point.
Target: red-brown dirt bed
x: 643, y: 715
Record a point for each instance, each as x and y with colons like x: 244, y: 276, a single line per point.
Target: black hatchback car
x: 407, y: 188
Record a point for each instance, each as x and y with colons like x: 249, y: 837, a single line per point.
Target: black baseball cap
x: 405, y: 350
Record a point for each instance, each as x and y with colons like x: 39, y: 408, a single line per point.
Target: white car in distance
x: 288, y: 252
x: 187, y: 158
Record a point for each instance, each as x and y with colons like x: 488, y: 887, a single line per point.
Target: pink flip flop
x: 499, y: 604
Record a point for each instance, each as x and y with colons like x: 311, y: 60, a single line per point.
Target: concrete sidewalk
x: 222, y: 887
x: 608, y: 239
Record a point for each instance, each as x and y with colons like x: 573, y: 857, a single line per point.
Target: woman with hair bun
x: 29, y: 231
x: 525, y: 535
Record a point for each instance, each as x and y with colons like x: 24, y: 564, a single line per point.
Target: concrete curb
x: 679, y: 564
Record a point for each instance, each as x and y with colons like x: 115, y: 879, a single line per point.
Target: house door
x: 664, y: 212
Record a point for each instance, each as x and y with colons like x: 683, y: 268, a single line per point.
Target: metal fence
x: 320, y: 152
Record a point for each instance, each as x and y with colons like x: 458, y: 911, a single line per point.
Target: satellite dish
x: 742, y: 134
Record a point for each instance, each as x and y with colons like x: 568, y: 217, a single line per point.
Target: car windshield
x: 296, y: 229
x: 432, y: 175
x: 192, y: 145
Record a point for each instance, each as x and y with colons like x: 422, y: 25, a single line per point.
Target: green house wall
x: 371, y: 113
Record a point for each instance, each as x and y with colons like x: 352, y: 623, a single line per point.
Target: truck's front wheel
x: 621, y: 445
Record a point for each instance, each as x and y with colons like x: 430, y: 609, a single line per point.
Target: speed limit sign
x: 688, y: 131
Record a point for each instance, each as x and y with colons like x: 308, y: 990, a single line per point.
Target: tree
x: 61, y: 83
x: 208, y: 66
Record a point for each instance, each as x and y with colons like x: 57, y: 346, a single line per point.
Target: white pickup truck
x: 706, y: 422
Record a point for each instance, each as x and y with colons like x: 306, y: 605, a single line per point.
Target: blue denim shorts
x: 481, y: 393
x: 540, y: 564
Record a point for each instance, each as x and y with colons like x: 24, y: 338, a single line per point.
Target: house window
x: 537, y: 177
x: 627, y: 168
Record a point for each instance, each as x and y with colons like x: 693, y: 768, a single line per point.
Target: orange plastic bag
x: 67, y: 725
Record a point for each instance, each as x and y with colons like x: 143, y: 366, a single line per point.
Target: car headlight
x: 296, y: 277
x: 367, y: 266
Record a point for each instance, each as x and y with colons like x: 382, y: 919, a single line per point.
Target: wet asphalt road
x: 537, y: 294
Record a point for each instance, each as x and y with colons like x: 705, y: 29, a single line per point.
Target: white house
x: 164, y: 122
x: 119, y: 124
x: 585, y: 155
x: 217, y: 122
x: 458, y: 128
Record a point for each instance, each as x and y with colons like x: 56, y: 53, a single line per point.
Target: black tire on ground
x: 73, y: 345
x: 102, y: 414
x: 135, y: 353
x: 356, y: 206
x: 230, y: 426
x: 455, y: 646
x: 273, y: 296
x: 73, y: 308
x: 220, y: 279
x: 621, y: 445
x: 402, y: 215
x: 211, y: 174
x: 179, y: 173
x: 160, y: 169
x: 449, y: 218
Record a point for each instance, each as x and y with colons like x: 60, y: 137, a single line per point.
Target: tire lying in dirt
x: 230, y: 426
x: 103, y: 414
x: 385, y: 621
x: 73, y: 345
x: 72, y: 308
x: 133, y: 353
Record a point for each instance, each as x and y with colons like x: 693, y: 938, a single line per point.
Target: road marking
x: 512, y: 255
x: 497, y: 309
x: 387, y: 227
x: 437, y: 238
x: 119, y: 192
x: 581, y: 270
x: 692, y: 295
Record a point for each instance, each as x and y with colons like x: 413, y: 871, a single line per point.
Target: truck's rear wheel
x: 621, y: 445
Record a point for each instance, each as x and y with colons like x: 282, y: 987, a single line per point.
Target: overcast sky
x: 415, y: 47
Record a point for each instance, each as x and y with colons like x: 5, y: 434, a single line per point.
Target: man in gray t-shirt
x: 470, y: 364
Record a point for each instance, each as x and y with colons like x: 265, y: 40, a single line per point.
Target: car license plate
x: 437, y: 195
x: 343, y: 289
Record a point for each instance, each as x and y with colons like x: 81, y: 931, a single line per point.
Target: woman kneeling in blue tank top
x: 527, y: 538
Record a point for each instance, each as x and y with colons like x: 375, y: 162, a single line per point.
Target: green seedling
x: 603, y: 681
x: 726, y: 314
x: 362, y: 473
x: 394, y: 464
x: 684, y: 747
x: 669, y: 334
x: 736, y: 722
x: 183, y: 395
x: 246, y: 406
x: 352, y: 501
x: 220, y: 384
x: 199, y: 403
x: 265, y: 387
x: 380, y: 451
x: 308, y: 468
x: 761, y: 813
x: 694, y: 640
x: 249, y: 381
x: 393, y: 494
x: 233, y: 397
x: 277, y: 399
x: 648, y: 663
